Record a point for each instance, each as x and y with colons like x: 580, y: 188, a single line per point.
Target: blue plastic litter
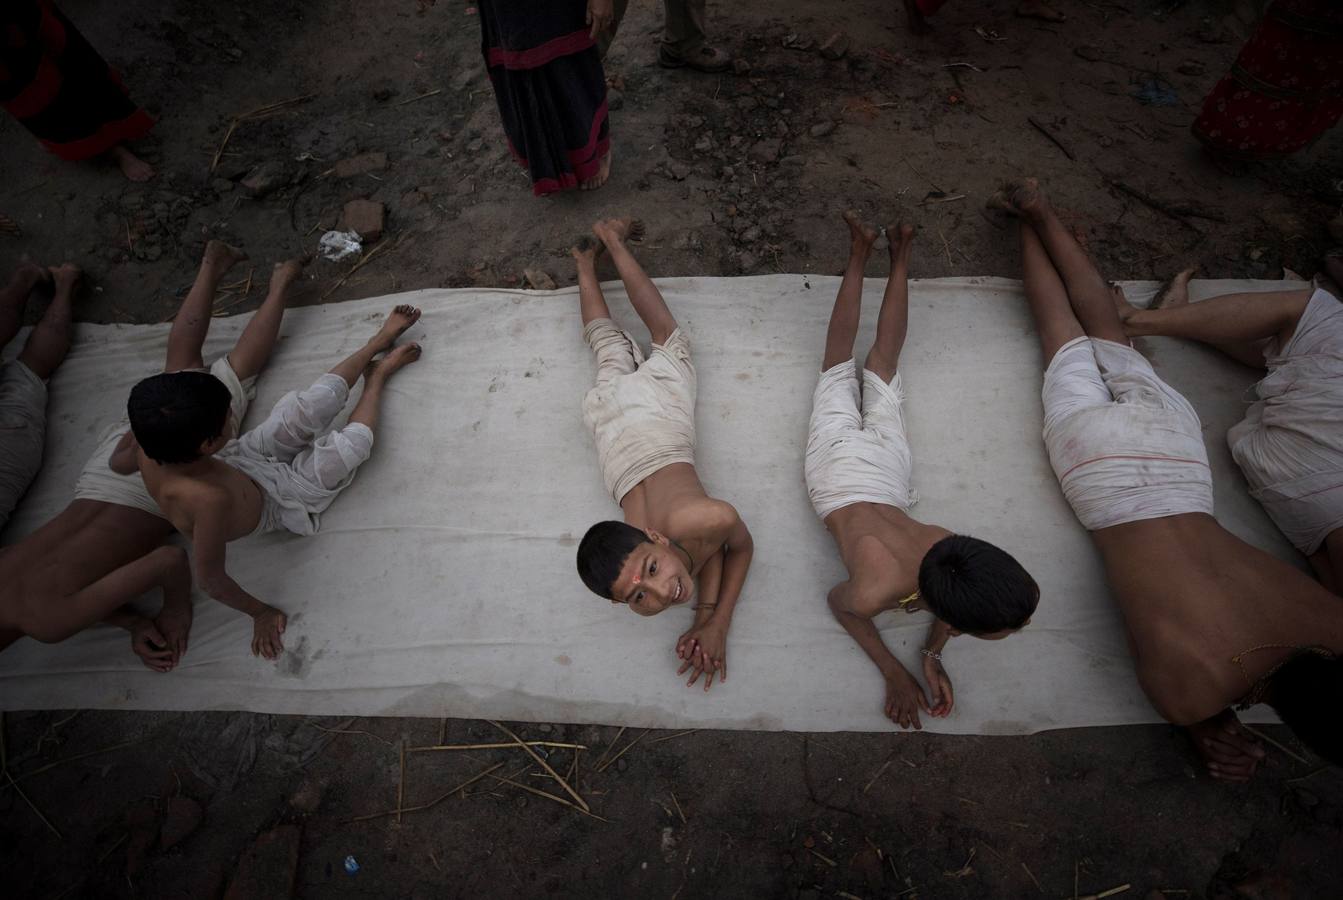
x: 351, y: 865
x: 1156, y: 92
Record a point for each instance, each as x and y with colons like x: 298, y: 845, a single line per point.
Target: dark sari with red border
x: 550, y: 86
x: 58, y: 87
x: 1286, y: 87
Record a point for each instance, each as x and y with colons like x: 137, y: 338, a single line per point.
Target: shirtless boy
x: 104, y: 549
x: 1290, y: 443
x: 677, y: 544
x: 282, y: 474
x: 23, y: 382
x: 858, y: 470
x: 1212, y: 621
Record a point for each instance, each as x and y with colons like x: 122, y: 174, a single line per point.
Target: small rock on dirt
x: 364, y: 217
x: 835, y: 46
x: 537, y: 279
x: 362, y: 164
x: 678, y: 171
x: 307, y: 797
x: 182, y: 816
x: 221, y: 185
x: 267, y: 868
x: 821, y: 129
x: 265, y: 179
x: 766, y: 151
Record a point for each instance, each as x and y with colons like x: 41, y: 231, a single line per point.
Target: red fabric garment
x: 1285, y: 88
x: 928, y: 7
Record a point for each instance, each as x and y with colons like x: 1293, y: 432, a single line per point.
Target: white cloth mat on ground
x: 443, y: 581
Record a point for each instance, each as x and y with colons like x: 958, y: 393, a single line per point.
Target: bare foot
x: 619, y: 230
x: 221, y: 256
x: 65, y: 278
x: 28, y: 275
x: 398, y: 320
x: 1176, y: 291
x: 286, y: 273
x: 861, y: 234
x: 917, y: 23
x: 132, y: 166
x: 395, y: 361
x: 174, y: 623
x: 899, y: 237
x: 603, y: 173
x: 1034, y: 9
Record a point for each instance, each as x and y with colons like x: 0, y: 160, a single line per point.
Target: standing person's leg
x: 192, y: 321
x: 683, y: 40
x: 607, y: 37
x: 1090, y: 296
x: 644, y: 295
x: 848, y: 308
x: 252, y: 351
x: 883, y: 360
x: 14, y: 297
x: 49, y: 340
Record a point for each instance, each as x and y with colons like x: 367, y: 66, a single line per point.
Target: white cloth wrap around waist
x: 23, y: 428
x: 99, y: 482
x: 299, y: 468
x: 857, y: 451
x: 1290, y: 443
x: 1124, y: 444
x: 641, y: 412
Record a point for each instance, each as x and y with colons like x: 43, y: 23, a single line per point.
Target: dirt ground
x: 734, y: 174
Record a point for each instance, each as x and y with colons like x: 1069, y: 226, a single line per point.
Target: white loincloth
x: 641, y: 412
x: 23, y: 428
x: 99, y: 482
x: 1124, y: 444
x: 857, y: 451
x: 299, y: 469
x: 1290, y: 443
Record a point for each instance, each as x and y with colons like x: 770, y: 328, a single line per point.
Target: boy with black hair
x: 677, y: 544
x: 1212, y: 621
x: 105, y: 549
x: 858, y: 477
x: 280, y: 475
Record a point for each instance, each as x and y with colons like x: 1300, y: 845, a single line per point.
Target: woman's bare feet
x: 1122, y: 306
x: 398, y: 320
x: 618, y: 230
x: 132, y: 166
x: 603, y: 173
x: 861, y: 234
x: 1176, y: 291
x: 220, y: 256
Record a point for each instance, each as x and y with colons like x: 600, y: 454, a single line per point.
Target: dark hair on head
x: 975, y: 587
x: 603, y: 551
x: 174, y: 413
x: 1307, y: 692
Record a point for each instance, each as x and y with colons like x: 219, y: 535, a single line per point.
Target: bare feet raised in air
x: 603, y: 173
x: 1019, y: 198
x: 28, y: 275
x: 221, y: 256
x: 65, y: 278
x: 861, y: 234
x: 287, y: 272
x: 132, y: 166
x: 899, y: 238
x: 618, y: 231
x: 398, y: 320
x: 587, y: 249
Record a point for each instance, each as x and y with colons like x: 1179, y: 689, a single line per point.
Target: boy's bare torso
x: 672, y: 501
x: 1195, y: 596
x: 204, y: 487
x: 882, y: 548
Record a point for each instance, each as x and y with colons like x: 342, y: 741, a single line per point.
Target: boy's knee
x: 170, y: 560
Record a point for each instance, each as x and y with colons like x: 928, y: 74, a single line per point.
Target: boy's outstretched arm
x: 209, y: 543
x: 904, y: 696
x: 705, y: 645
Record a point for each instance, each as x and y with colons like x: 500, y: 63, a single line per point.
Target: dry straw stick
x: 254, y: 114
x: 498, y: 746
x: 540, y: 793
x: 545, y: 765
x: 432, y: 803
x: 668, y: 737
x: 610, y: 762
x: 615, y: 740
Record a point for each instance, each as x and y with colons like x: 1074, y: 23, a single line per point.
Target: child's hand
x: 703, y: 648
x: 939, y: 688
x: 150, y: 646
x: 267, y: 626
x: 904, y: 699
